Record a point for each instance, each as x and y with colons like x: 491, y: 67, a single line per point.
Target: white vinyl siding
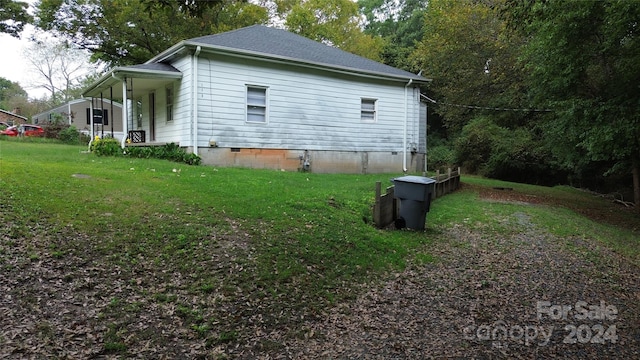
x: 368, y: 110
x: 256, y: 104
x: 305, y: 108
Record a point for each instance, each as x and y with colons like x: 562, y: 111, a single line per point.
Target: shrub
x: 69, y: 135
x: 171, y: 151
x: 191, y: 159
x: 83, y: 138
x: 106, y: 147
x: 441, y: 157
x: 53, y: 130
x: 475, y: 144
x: 141, y: 152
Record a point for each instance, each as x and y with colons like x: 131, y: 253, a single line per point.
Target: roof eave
x: 116, y: 75
x: 169, y: 53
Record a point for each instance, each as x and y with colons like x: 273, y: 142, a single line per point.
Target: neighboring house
x: 107, y: 119
x: 12, y: 118
x: 266, y: 98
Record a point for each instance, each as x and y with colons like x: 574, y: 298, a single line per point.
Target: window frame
x: 169, y: 99
x: 363, y: 110
x: 249, y: 104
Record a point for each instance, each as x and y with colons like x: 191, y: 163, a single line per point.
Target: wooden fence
x: 385, y: 209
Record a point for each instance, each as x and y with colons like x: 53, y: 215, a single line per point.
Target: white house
x: 107, y: 119
x: 267, y: 98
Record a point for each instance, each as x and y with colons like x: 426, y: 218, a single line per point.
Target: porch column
x: 93, y: 135
x: 125, y: 112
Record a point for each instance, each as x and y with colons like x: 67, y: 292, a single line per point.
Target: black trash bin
x: 414, y: 193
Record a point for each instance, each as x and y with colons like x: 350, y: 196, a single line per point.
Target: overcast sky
x: 13, y: 66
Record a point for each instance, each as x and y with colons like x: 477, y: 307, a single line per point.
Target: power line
x: 482, y: 107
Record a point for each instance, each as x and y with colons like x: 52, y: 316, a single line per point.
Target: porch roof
x: 145, y: 77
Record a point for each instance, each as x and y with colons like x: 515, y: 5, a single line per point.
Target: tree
x: 122, y: 32
x: 10, y: 90
x: 400, y: 23
x: 583, y: 59
x: 472, y: 58
x: 193, y: 8
x: 58, y: 68
x: 333, y: 22
x: 13, y: 16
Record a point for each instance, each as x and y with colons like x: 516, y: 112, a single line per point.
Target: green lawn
x: 294, y: 242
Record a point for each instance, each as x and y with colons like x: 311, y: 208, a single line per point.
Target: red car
x: 23, y: 130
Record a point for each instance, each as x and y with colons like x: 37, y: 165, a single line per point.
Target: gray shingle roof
x: 282, y: 44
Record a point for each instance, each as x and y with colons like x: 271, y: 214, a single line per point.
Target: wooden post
x: 376, y: 207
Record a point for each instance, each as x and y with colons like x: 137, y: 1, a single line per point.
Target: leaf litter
x: 61, y: 297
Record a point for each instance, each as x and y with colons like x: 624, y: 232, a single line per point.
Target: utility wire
x: 482, y: 107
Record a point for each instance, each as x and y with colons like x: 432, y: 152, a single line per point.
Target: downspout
x: 69, y: 112
x: 194, y: 96
x: 404, y: 135
x: 426, y: 133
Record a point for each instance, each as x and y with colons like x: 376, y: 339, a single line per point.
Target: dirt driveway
x: 525, y: 295
x: 482, y: 299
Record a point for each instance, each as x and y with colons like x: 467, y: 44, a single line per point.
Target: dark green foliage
x: 441, y: 157
x: 400, y: 23
x: 131, y: 32
x: 9, y: 90
x: 510, y: 154
x: 13, y: 16
x: 69, y: 135
x: 441, y: 154
x: 171, y: 151
x: 191, y: 159
x: 582, y: 60
x: 476, y: 143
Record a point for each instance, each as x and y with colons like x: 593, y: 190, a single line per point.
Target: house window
x: 139, y: 113
x: 368, y: 109
x: 169, y: 103
x: 256, y: 104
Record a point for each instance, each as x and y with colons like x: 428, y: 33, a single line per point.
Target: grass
x: 294, y: 242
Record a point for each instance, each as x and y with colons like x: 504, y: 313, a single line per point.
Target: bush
x: 141, y: 152
x: 69, y: 135
x: 52, y: 131
x: 506, y: 154
x: 474, y: 146
x: 169, y: 151
x: 441, y: 157
x: 106, y: 147
x: 191, y: 159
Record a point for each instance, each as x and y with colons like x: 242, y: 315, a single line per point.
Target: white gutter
x: 404, y: 135
x: 194, y: 110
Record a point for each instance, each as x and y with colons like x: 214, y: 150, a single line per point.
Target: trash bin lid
x: 415, y: 179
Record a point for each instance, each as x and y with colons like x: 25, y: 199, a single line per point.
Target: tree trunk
x: 636, y: 181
